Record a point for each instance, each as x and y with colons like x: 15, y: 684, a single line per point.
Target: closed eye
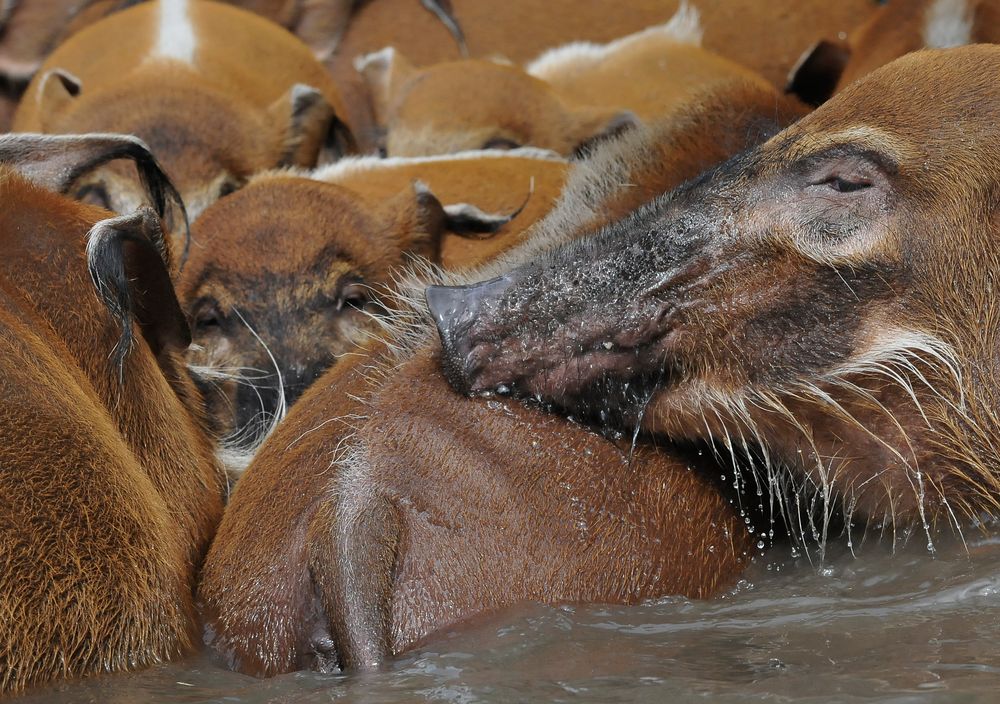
x: 501, y: 143
x: 843, y: 185
x: 208, y: 317
x: 94, y: 194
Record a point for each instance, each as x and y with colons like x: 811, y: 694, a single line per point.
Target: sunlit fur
x: 567, y: 101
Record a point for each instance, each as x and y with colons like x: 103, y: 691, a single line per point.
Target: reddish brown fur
x: 280, y: 562
x: 36, y: 27
x: 826, y: 296
x: 212, y: 123
x: 652, y: 77
x: 287, y: 252
x: 715, y: 125
x: 524, y: 505
x: 475, y: 104
x: 111, y: 490
x: 495, y: 184
x: 898, y: 28
x: 765, y: 37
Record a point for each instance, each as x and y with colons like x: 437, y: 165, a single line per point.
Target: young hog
x: 766, y: 37
x: 525, y: 181
x: 218, y: 93
x: 111, y: 492
x: 286, y: 275
x: 566, y: 101
x: 827, y: 295
x: 31, y: 29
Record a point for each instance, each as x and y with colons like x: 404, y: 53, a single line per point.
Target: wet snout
x: 455, y: 310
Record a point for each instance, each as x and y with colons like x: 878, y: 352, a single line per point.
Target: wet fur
x: 858, y: 341
x: 346, y: 445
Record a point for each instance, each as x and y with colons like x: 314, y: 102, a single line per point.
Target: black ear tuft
x: 132, y: 279
x: 609, y: 129
x: 814, y: 78
x: 468, y: 220
x: 57, y: 161
x: 444, y: 11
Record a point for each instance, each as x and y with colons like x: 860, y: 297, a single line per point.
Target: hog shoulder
x: 765, y: 37
x: 229, y: 47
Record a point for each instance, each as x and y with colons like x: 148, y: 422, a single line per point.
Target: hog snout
x: 456, y: 309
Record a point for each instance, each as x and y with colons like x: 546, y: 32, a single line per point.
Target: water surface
x: 903, y: 627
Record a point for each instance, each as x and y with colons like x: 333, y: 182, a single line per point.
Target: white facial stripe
x: 175, y: 35
x: 948, y: 23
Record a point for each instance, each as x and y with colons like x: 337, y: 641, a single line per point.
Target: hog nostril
x: 456, y: 309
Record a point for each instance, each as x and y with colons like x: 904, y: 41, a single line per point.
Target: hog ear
x: 310, y: 128
x: 468, y: 220
x: 127, y: 264
x: 385, y: 72
x: 57, y: 89
x: 56, y: 162
x: 817, y: 72
x: 443, y: 10
x: 591, y: 127
x: 15, y: 75
x: 420, y: 221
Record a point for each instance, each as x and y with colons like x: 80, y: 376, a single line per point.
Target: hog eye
x: 843, y: 185
x: 208, y: 318
x: 354, y: 295
x: 227, y: 187
x: 94, y: 194
x: 500, y: 143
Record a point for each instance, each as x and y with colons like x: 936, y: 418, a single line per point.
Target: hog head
x: 208, y: 141
x: 477, y: 104
x: 826, y: 297
x: 285, y: 279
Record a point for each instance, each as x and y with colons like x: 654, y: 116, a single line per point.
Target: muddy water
x: 903, y: 627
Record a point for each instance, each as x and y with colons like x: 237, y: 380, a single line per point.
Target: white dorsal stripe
x: 948, y: 23
x: 175, y: 36
x: 683, y: 28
